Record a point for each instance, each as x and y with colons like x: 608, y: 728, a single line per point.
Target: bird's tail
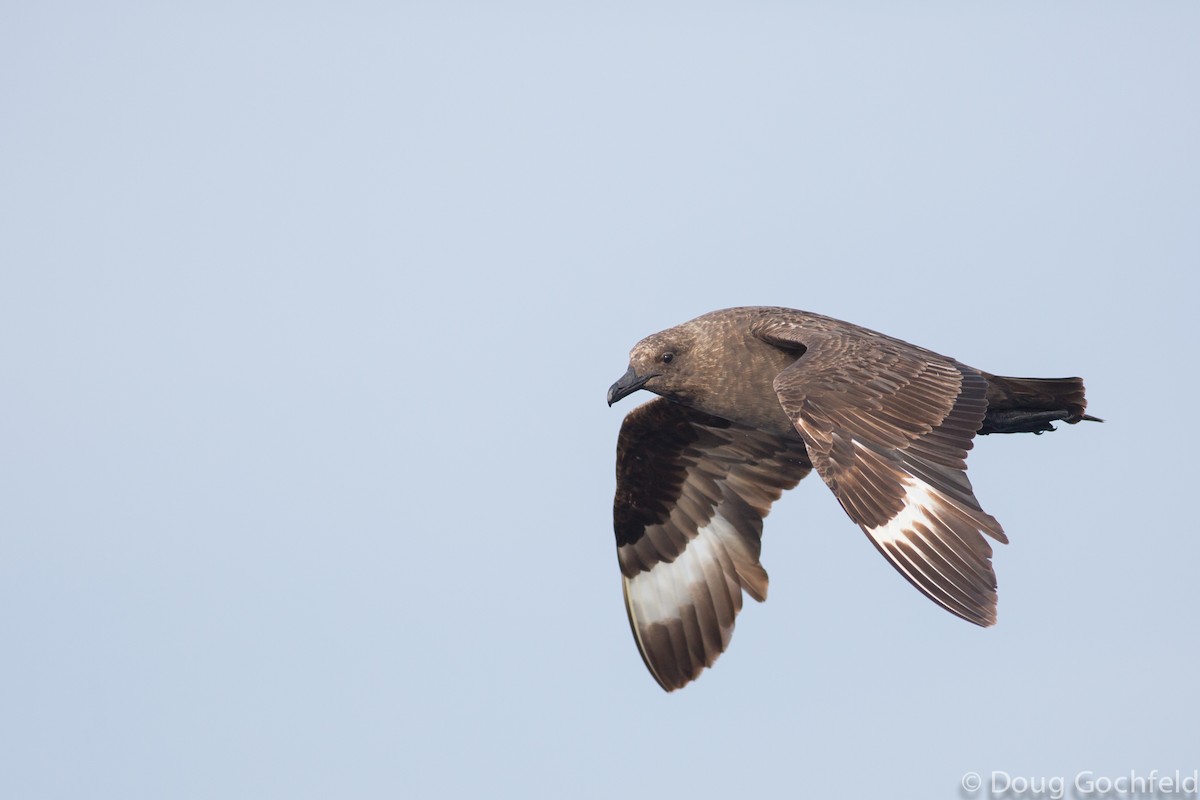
x: 1030, y: 405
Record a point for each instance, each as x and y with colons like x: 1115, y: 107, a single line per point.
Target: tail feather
x: 1030, y: 405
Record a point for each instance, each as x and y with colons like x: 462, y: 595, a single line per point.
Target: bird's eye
x: 667, y: 358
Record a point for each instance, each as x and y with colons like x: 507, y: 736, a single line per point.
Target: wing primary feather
x: 688, y: 543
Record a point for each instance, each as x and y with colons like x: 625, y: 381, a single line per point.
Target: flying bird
x: 751, y: 400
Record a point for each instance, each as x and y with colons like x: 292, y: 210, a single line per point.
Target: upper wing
x: 692, y: 491
x: 888, y: 426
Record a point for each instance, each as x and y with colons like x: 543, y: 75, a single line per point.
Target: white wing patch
x: 703, y: 574
x: 939, y: 545
x: 920, y: 502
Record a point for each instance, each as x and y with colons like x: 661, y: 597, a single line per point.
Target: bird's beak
x: 627, y: 384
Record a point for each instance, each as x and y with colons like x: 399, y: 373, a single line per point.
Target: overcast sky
x: 307, y: 315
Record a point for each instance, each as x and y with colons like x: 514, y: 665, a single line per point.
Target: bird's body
x: 754, y: 398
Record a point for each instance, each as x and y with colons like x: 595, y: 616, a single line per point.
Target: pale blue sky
x: 307, y: 315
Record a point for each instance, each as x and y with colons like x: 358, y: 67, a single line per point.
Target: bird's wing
x: 888, y: 426
x: 692, y: 491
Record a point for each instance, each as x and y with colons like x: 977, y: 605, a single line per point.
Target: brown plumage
x: 752, y: 400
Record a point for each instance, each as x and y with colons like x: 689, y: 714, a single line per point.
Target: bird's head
x: 661, y: 363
